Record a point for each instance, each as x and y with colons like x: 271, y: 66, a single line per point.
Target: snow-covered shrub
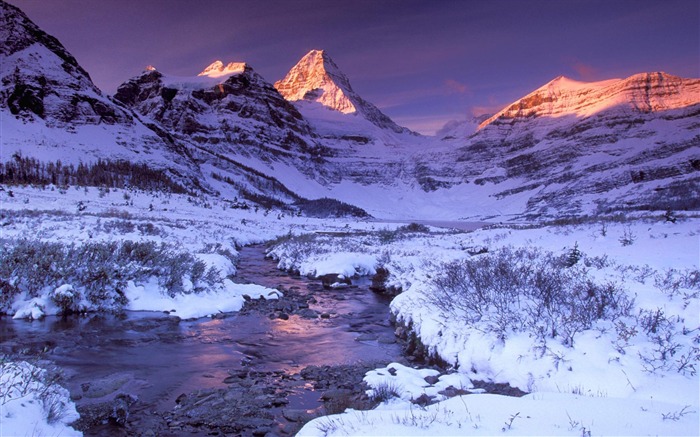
x: 525, y: 289
x: 98, y: 271
x: 66, y: 298
x: 574, y: 256
x: 414, y: 227
x: 119, y: 227
x: 148, y: 229
x: 8, y: 291
x: 30, y: 266
x: 628, y: 237
x: 386, y: 236
x: 326, y: 207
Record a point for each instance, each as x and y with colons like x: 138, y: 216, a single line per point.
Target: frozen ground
x: 630, y: 373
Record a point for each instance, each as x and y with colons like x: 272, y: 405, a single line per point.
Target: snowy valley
x: 539, y: 267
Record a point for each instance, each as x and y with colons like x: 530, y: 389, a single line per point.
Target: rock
x: 387, y: 340
x: 432, y: 379
x: 105, y: 386
x: 307, y: 313
x: 335, y: 393
x: 325, y: 316
x: 241, y: 374
x: 115, y: 411
x: 451, y: 392
x: 333, y: 280
x: 120, y: 410
x: 294, y: 415
x: 283, y: 316
x: 423, y: 400
x: 367, y: 337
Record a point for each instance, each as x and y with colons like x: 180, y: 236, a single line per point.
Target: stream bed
x: 262, y: 371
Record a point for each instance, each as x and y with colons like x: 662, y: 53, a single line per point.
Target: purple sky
x: 422, y: 62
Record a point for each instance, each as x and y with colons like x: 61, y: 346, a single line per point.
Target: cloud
x: 584, y: 71
x: 457, y: 87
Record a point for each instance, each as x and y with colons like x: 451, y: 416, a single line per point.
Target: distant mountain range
x: 567, y: 148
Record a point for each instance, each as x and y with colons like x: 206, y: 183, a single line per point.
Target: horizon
x: 423, y: 64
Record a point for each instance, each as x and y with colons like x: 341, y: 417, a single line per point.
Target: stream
x: 261, y: 371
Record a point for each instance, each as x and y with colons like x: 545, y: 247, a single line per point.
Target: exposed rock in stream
x: 257, y: 403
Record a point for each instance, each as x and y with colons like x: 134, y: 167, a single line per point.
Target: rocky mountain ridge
x: 567, y: 148
x: 640, y: 93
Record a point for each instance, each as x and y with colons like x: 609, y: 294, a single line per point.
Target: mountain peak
x: 218, y: 69
x: 316, y: 78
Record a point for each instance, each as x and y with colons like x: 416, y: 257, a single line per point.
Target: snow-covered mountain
x: 640, y: 93
x: 316, y: 78
x: 51, y: 110
x: 572, y: 147
x: 245, y: 135
x: 227, y: 109
x: 567, y: 148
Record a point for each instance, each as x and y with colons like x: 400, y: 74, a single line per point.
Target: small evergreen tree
x: 574, y: 256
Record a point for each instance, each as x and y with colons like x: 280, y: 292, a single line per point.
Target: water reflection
x: 166, y: 357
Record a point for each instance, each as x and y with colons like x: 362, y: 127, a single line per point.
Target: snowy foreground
x: 629, y: 367
x: 632, y: 370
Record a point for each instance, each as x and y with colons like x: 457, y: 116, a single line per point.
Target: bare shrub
x: 385, y: 391
x: 515, y: 289
x: 628, y: 237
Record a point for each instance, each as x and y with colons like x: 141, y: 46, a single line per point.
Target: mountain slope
x: 51, y: 110
x: 316, y: 78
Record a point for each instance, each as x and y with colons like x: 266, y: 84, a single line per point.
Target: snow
x: 208, y: 229
x: 316, y: 78
x: 34, y: 308
x: 635, y: 375
x: 195, y: 305
x: 564, y: 97
x: 201, y: 81
x: 609, y: 382
x: 217, y: 69
x: 599, y: 374
x: 29, y: 406
x: 540, y: 414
